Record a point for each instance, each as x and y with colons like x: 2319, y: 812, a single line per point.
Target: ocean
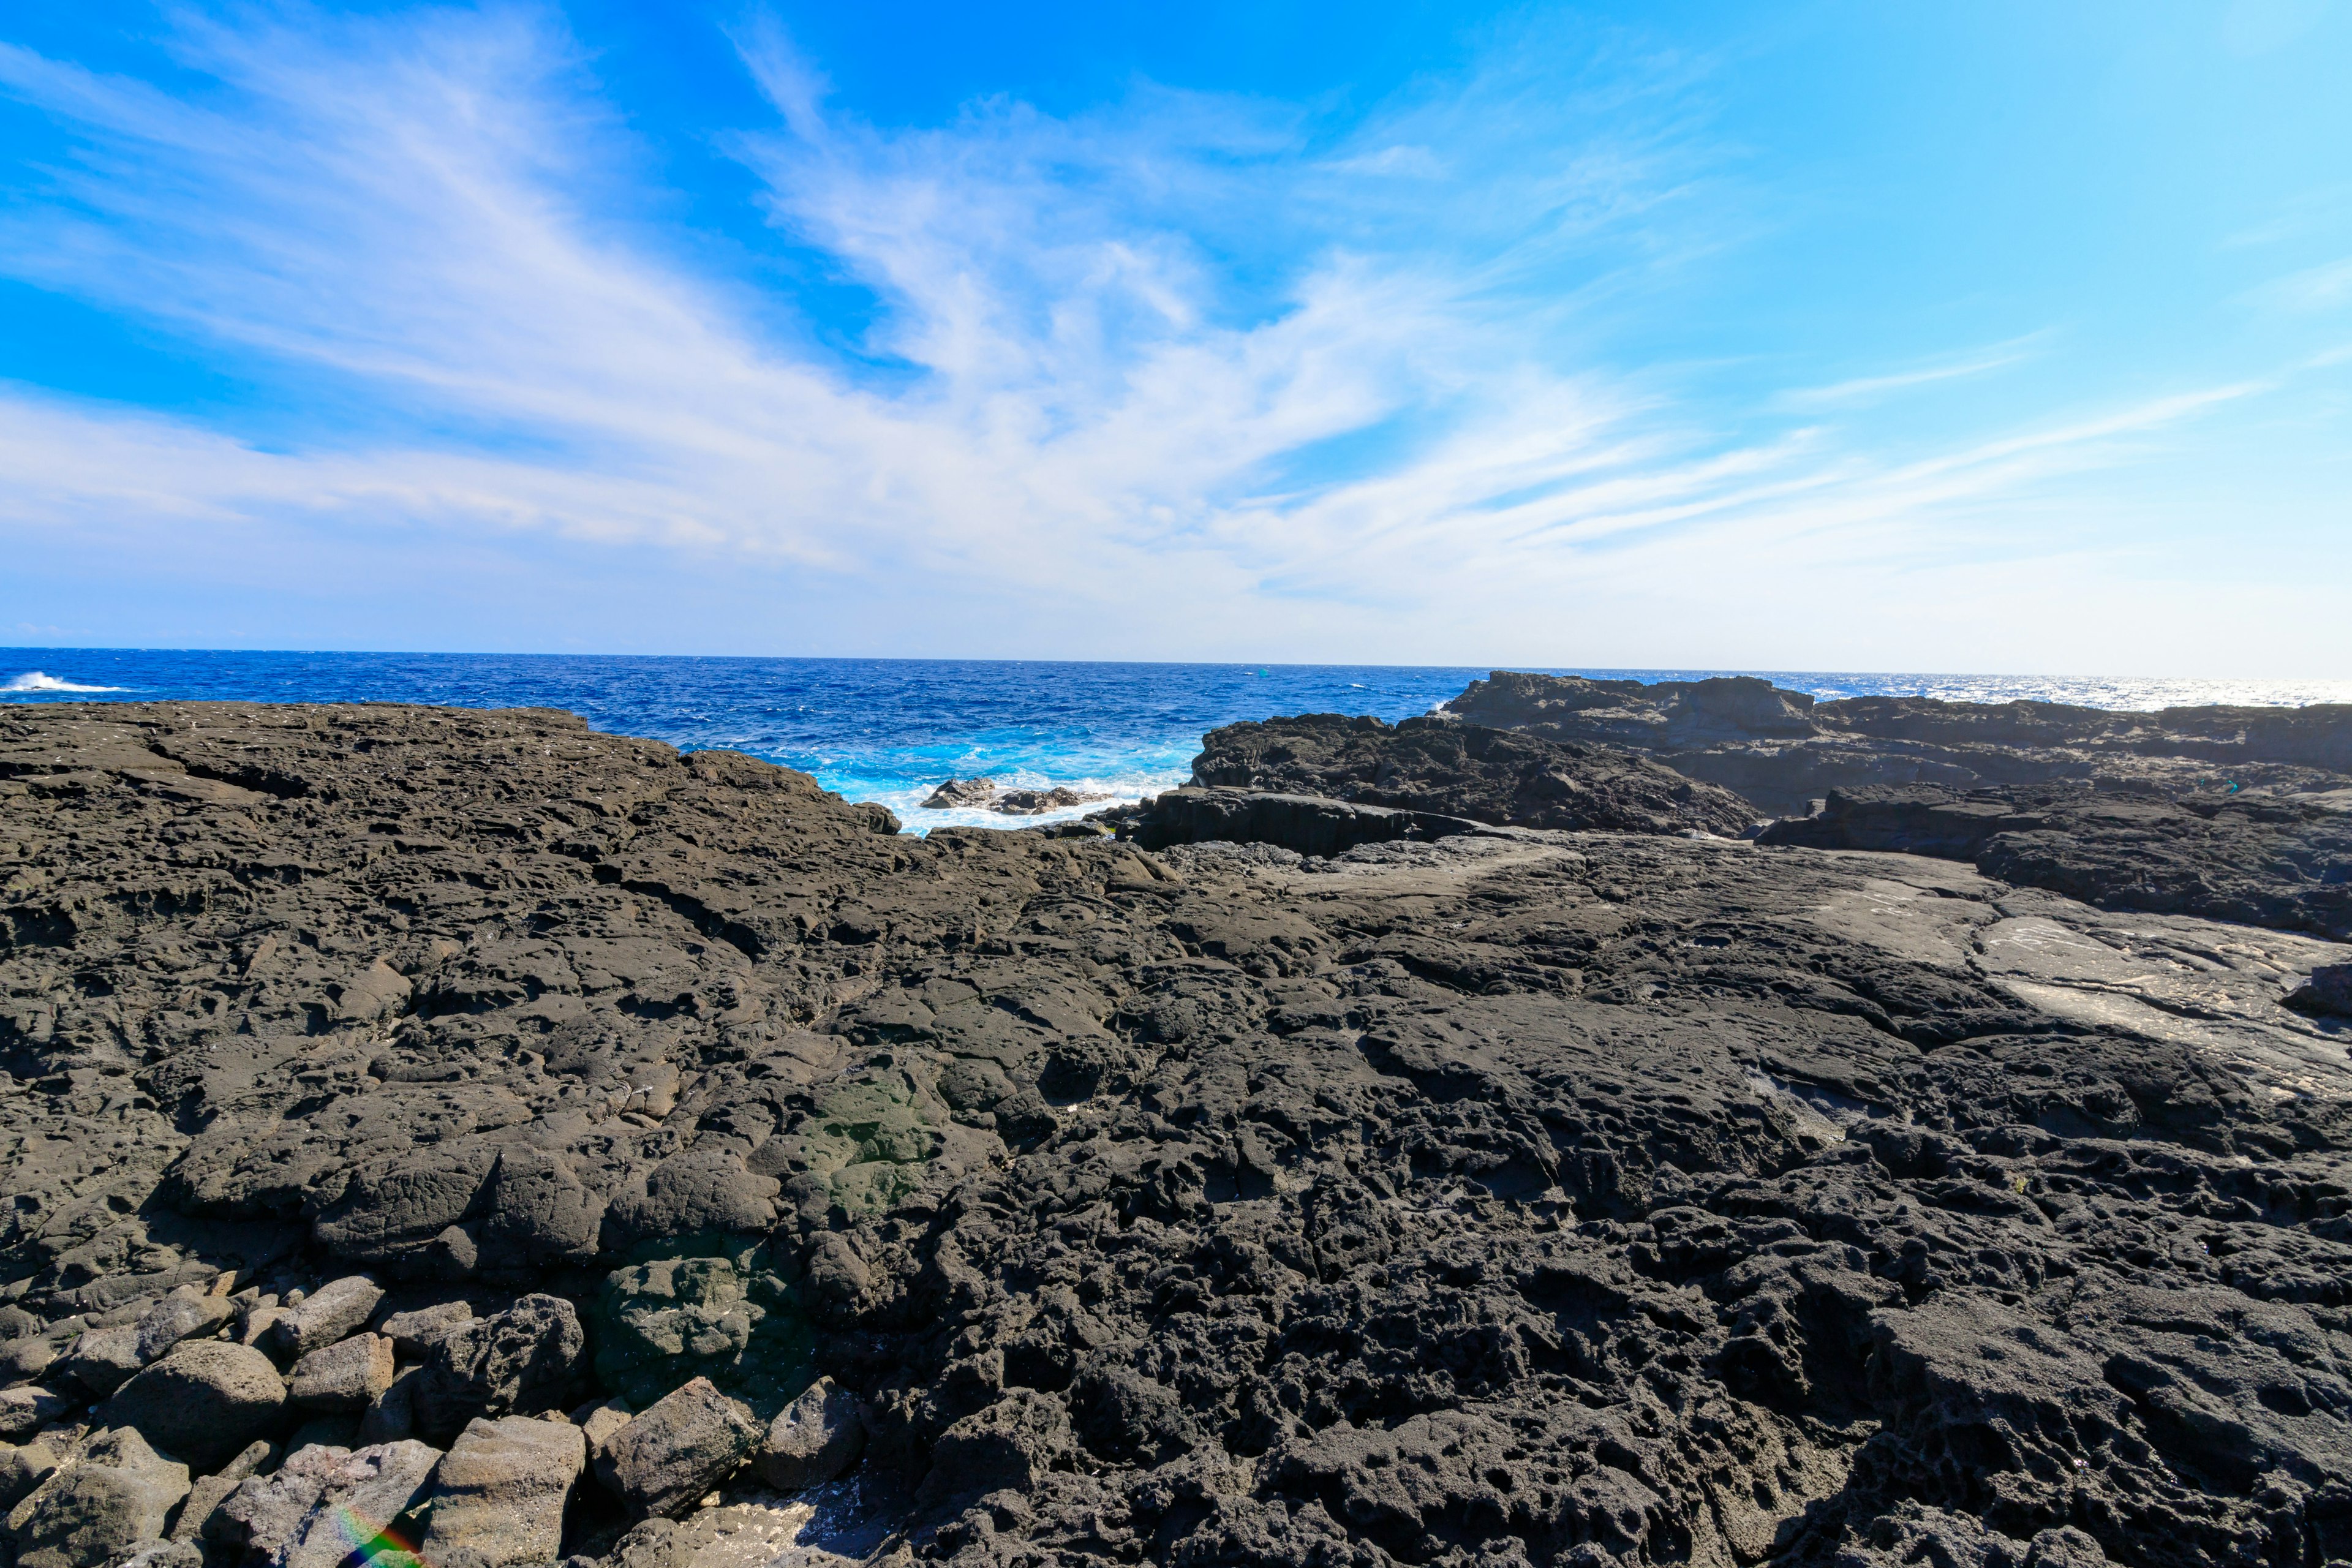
x: 891, y: 730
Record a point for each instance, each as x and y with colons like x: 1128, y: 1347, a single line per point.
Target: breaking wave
x: 34, y: 681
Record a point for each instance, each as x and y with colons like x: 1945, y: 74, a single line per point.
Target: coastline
x: 1646, y: 1187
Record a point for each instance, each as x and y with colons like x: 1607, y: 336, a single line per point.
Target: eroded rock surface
x: 1781, y: 748
x: 1484, y: 774
x: 1539, y: 1196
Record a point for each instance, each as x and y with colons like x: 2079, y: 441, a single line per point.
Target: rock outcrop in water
x: 1782, y: 749
x: 1511, y: 1197
x: 986, y: 794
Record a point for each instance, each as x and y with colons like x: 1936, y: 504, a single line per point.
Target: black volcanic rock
x: 2261, y: 860
x: 1466, y: 771
x: 1501, y: 1197
x: 1781, y: 750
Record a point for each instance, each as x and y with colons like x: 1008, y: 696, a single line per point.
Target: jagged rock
x: 955, y: 793
x: 648, y: 1543
x: 523, y: 1360
x: 1467, y: 770
x: 347, y: 1376
x: 678, y: 1449
x: 22, y: 1469
x: 328, y: 1314
x: 103, y: 1360
x: 185, y: 1313
x: 1489, y: 1198
x: 813, y: 1439
x: 1011, y: 1444
x: 1781, y: 748
x: 415, y: 1333
x: 25, y: 1411
x: 206, y: 1493
x: 120, y: 1492
x: 203, y: 1402
x: 501, y: 1491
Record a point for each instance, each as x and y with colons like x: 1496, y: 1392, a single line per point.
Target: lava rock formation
x: 1508, y: 1197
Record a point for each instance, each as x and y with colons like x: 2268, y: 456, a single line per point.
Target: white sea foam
x: 34, y: 681
x: 908, y: 804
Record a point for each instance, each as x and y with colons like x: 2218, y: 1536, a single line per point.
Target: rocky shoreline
x: 461, y: 1137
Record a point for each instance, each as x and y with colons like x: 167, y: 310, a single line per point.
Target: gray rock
x: 208, y: 1493
x: 103, y: 1360
x: 391, y: 1415
x: 347, y: 1376
x: 185, y: 1313
x: 263, y: 1514
x: 25, y: 1411
x: 203, y: 1402
x: 813, y: 1439
x: 22, y: 1469
x: 414, y: 1334
x: 172, y: 1553
x: 522, y: 1360
x: 649, y: 1543
x: 2328, y: 991
x: 687, y: 1442
x: 330, y: 1313
x: 502, y: 1488
x: 119, y: 1492
x: 370, y: 1488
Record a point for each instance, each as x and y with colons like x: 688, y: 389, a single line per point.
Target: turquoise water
x: 891, y: 730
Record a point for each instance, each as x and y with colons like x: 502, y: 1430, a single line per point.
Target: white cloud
x: 1086, y: 410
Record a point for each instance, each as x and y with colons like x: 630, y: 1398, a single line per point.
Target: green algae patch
x: 729, y: 1319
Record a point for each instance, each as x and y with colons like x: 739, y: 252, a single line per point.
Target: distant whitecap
x: 34, y: 681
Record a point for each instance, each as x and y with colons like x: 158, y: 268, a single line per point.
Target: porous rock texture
x: 1478, y: 772
x: 1534, y: 1197
x: 1781, y: 748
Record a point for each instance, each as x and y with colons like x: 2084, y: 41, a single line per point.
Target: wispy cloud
x: 1869, y: 389
x: 1112, y: 366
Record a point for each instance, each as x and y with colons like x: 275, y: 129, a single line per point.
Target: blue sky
x: 1999, y: 337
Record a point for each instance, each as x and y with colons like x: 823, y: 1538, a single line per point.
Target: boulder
x: 185, y: 1313
x: 361, y: 1495
x: 2328, y: 992
x: 122, y: 1492
x: 501, y: 1491
x: 324, y: 1504
x: 210, y: 1491
x: 22, y: 1469
x: 414, y: 1334
x: 25, y: 1411
x: 330, y: 1313
x: 522, y: 1360
x: 103, y: 1360
x: 203, y: 1402
x: 813, y: 1439
x: 174, y: 1553
x: 687, y: 1443
x: 391, y: 1415
x: 349, y: 1375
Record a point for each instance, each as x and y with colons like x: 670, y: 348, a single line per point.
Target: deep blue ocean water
x: 891, y: 730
